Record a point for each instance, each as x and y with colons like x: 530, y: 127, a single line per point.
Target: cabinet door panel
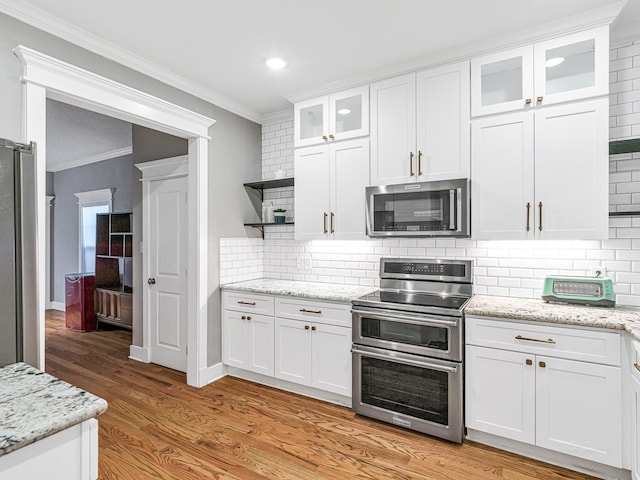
x: 349, y: 178
x: 349, y: 111
x: 572, y: 166
x: 579, y: 409
x: 311, y: 121
x: 293, y: 351
x: 261, y: 336
x: 332, y: 359
x: 443, y: 129
x: 500, y: 393
x: 393, y: 130
x: 635, y: 429
x: 235, y: 346
x: 502, y: 177
x: 311, y: 192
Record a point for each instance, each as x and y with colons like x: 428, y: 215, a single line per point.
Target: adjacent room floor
x: 157, y: 427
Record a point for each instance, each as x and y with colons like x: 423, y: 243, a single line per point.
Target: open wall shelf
x: 261, y: 186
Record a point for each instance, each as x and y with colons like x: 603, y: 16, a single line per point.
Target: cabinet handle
x: 246, y: 303
x: 248, y: 317
x: 637, y: 365
x: 419, y: 163
x: 529, y: 361
x: 549, y: 340
x: 324, y: 224
x: 306, y: 327
x: 411, y: 174
x: 331, y: 136
x: 542, y: 364
x: 304, y: 310
x: 527, y: 101
x: 331, y: 223
x: 538, y: 99
x: 313, y: 329
x: 528, y: 216
x: 243, y: 317
x: 540, y: 216
x: 324, y: 137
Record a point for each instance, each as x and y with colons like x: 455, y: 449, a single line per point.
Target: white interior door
x: 167, y: 272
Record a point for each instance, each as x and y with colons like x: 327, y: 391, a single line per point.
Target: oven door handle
x: 403, y: 359
x: 417, y: 320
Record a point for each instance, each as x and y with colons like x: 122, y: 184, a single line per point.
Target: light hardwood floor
x: 157, y: 427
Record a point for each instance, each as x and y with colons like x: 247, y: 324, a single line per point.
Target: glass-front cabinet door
x: 572, y: 67
x: 502, y: 81
x: 333, y: 117
x: 566, y: 68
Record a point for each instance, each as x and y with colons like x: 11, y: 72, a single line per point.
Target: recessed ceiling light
x: 344, y: 111
x: 276, y: 63
x: 554, y: 62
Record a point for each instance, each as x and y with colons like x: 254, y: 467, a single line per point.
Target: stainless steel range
x: 408, y: 345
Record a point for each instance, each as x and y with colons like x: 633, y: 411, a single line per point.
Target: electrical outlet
x: 597, y: 271
x: 304, y: 261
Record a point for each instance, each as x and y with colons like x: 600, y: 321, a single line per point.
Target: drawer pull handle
x: 549, y: 340
x: 246, y: 303
x: 304, y: 310
x: 637, y: 365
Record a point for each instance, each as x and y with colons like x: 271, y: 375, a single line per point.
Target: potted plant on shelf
x: 278, y: 215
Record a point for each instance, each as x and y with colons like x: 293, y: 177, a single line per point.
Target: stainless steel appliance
x: 425, y: 209
x: 408, y: 345
x: 17, y: 246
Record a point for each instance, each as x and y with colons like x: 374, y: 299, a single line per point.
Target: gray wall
x: 114, y: 173
x: 234, y: 149
x: 148, y: 145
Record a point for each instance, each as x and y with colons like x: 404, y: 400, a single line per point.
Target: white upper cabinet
x: 562, y: 69
x: 542, y: 174
x: 333, y: 117
x: 420, y: 126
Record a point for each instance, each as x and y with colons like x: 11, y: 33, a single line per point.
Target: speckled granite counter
x: 620, y: 318
x: 34, y: 405
x: 321, y: 291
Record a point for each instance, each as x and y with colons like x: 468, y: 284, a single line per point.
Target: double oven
x: 408, y: 346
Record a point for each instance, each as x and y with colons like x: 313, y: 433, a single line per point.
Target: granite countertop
x: 620, y: 318
x: 321, y: 291
x: 34, y: 405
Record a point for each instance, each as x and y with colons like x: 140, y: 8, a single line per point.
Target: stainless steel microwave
x: 423, y: 209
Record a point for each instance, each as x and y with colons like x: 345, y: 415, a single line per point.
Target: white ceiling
x: 218, y: 47
x: 77, y: 137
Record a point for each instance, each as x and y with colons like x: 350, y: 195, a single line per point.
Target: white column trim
x: 45, y: 76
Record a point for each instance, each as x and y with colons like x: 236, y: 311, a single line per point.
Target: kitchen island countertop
x: 35, y: 405
x: 619, y: 318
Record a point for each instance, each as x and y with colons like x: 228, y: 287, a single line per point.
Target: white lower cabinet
x: 314, y: 354
x: 525, y: 392
x: 307, y: 342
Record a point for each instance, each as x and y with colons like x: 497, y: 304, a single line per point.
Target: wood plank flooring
x: 157, y: 427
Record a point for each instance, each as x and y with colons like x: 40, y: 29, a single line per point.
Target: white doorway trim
x: 47, y: 77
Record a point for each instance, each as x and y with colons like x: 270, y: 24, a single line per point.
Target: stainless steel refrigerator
x: 18, y: 274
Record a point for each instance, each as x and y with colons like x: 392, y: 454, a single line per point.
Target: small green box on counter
x: 581, y: 290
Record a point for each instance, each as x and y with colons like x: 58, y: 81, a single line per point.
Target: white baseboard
x: 141, y: 354
x: 211, y: 374
x: 60, y: 306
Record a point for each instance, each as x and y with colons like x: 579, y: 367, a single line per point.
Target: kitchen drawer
x: 537, y: 338
x: 315, y: 311
x: 247, y: 302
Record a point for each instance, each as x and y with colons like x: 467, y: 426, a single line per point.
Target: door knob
x: 151, y: 281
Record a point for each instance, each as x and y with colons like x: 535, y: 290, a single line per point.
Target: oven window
x: 435, y: 338
x: 414, y: 391
x: 412, y: 211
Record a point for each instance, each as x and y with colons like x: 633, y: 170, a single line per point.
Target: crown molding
x: 590, y: 19
x: 278, y: 116
x: 78, y: 162
x: 53, y: 25
x: 626, y: 35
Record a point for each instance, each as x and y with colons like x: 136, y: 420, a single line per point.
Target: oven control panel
x: 426, y: 269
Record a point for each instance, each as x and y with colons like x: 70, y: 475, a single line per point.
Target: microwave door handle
x: 452, y: 209
x: 459, y: 199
